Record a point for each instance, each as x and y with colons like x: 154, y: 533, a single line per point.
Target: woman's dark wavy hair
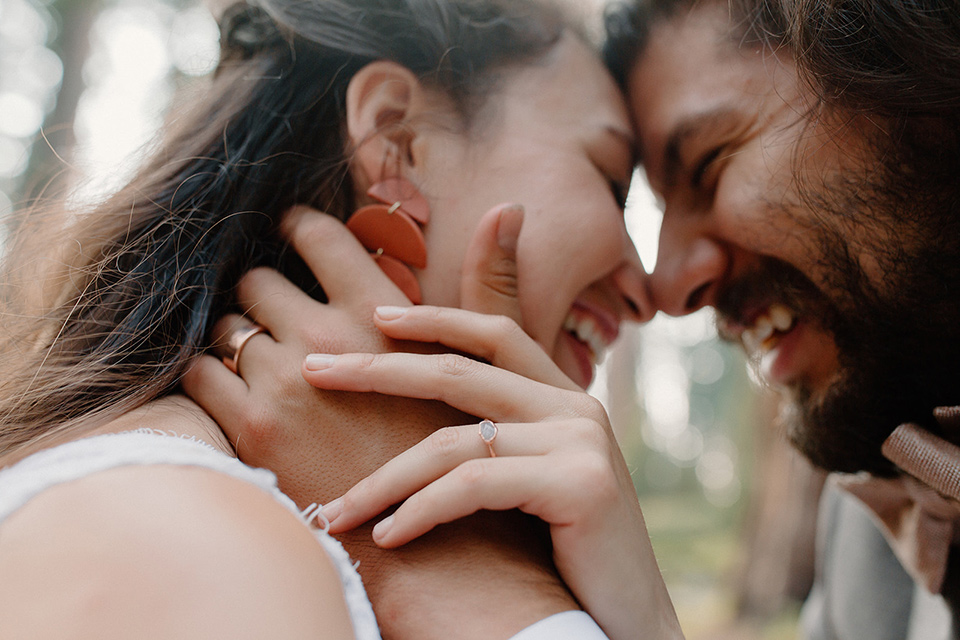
x: 124, y: 296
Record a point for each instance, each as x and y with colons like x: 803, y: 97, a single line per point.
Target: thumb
x: 489, y: 281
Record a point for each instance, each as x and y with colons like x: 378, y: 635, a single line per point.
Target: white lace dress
x: 26, y: 479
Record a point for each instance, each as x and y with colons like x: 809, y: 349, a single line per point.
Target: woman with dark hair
x: 413, y: 121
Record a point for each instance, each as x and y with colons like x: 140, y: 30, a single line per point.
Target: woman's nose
x: 633, y: 287
x: 689, y: 271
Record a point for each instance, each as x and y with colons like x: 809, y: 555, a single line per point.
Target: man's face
x: 779, y: 214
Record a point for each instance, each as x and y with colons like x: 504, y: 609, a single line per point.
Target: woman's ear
x: 381, y: 100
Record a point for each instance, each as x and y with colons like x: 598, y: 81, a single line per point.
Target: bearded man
x: 806, y: 153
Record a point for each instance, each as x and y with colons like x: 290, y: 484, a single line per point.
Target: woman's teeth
x: 762, y: 336
x: 587, y: 331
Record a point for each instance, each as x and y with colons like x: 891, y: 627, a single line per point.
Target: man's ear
x: 381, y: 99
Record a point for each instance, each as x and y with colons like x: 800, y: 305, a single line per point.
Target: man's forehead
x: 690, y: 76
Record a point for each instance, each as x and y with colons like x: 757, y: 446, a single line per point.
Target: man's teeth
x: 587, y: 331
x: 777, y: 318
x: 781, y: 317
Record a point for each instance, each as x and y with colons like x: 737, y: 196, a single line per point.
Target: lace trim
x: 169, y: 434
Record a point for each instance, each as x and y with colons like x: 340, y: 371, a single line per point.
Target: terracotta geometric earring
x: 390, y: 231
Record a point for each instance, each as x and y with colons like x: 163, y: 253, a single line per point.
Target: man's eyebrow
x: 687, y: 129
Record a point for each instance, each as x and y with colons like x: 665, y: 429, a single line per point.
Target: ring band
x: 488, y: 433
x: 238, y: 339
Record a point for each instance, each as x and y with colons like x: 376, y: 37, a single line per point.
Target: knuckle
x: 255, y: 278
x: 366, y: 362
x: 363, y: 494
x: 418, y: 506
x: 506, y: 328
x: 453, y: 365
x: 434, y: 315
x: 583, y: 434
x: 315, y: 229
x: 472, y: 473
x: 353, y: 500
x: 594, y: 471
x: 498, y: 335
x: 590, y: 408
x: 502, y: 279
x: 444, y: 442
x: 594, y: 432
x: 318, y: 235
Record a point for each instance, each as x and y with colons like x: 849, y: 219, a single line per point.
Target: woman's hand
x: 556, y: 458
x: 319, y: 443
x: 310, y: 438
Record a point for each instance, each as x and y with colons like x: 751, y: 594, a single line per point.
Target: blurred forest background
x: 84, y: 86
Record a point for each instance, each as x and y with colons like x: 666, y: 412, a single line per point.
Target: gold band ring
x: 235, y: 343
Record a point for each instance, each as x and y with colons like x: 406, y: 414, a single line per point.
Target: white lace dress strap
x: 26, y: 479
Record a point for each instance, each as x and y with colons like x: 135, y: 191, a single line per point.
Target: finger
x: 495, y: 339
x: 428, y: 460
x: 340, y: 263
x: 495, y: 484
x: 489, y: 280
x: 476, y: 388
x: 248, y: 363
x: 269, y: 299
x: 225, y: 331
x: 218, y: 391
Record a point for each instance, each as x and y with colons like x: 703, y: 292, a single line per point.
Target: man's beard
x: 896, y: 328
x: 898, y: 345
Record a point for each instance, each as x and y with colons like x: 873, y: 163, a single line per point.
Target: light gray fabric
x: 861, y: 591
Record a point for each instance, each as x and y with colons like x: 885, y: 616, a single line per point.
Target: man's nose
x: 690, y: 268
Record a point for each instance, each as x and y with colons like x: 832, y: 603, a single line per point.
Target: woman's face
x: 556, y: 138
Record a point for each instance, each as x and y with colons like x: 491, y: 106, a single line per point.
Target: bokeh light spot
x: 20, y: 117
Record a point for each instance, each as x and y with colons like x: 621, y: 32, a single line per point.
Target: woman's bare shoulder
x: 164, y: 552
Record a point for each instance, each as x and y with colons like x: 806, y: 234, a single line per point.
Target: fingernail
x: 319, y: 361
x: 508, y: 228
x: 331, y: 511
x: 382, y: 529
x: 390, y: 313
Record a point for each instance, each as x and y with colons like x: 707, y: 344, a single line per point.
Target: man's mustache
x: 771, y: 281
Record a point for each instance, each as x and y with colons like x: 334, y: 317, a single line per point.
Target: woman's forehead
x: 571, y: 86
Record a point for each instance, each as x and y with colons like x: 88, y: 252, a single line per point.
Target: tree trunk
x: 48, y: 170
